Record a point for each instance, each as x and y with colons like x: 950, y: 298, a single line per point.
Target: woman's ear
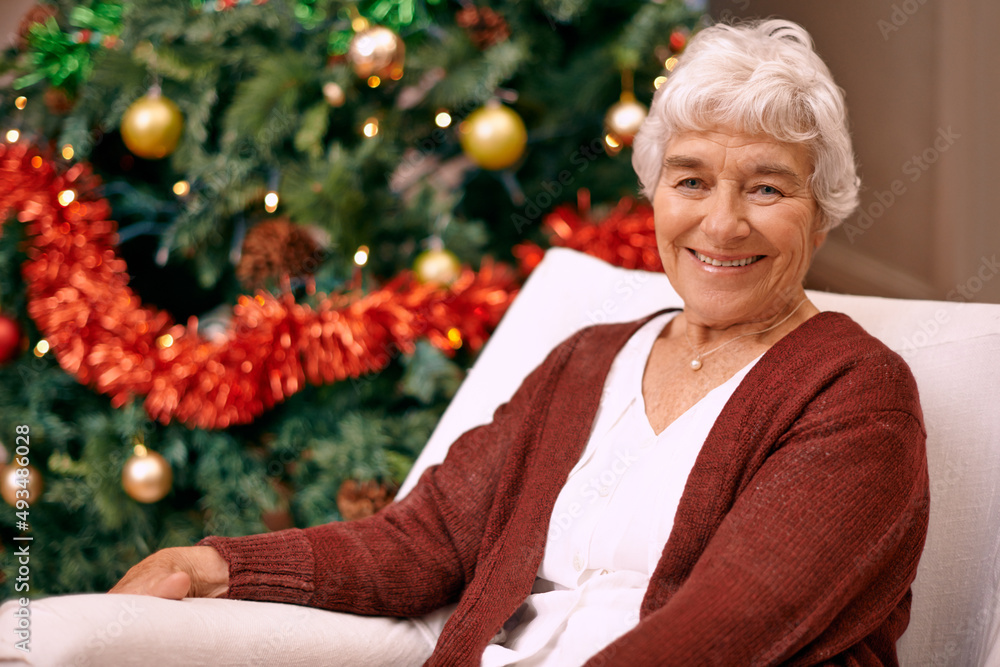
x: 819, y: 238
x: 820, y: 233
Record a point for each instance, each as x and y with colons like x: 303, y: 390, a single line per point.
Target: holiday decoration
x: 334, y: 94
x: 276, y: 249
x: 484, y: 25
x: 437, y: 265
x: 377, y: 51
x: 223, y: 5
x: 624, y: 119
x: 274, y: 345
x: 493, y: 136
x: 678, y: 39
x: 12, y: 481
x: 626, y: 237
x: 357, y: 500
x: 37, y: 15
x: 146, y: 476
x: 10, y: 339
x: 152, y: 126
x: 64, y: 56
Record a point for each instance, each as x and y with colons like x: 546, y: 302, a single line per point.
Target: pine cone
x: 274, y: 249
x: 356, y: 500
x: 39, y: 14
x: 485, y: 26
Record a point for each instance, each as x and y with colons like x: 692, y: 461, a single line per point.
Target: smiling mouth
x: 735, y: 262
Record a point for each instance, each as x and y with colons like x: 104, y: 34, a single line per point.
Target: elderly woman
x: 740, y: 482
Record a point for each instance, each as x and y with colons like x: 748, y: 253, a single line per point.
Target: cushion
x: 95, y: 630
x: 953, y: 350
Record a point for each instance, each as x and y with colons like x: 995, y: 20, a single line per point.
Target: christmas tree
x: 248, y: 248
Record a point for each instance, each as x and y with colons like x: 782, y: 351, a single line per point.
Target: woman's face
x: 735, y: 224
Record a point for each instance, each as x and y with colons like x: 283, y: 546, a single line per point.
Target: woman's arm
x: 412, y: 557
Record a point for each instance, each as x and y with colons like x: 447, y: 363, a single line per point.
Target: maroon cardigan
x: 795, y: 541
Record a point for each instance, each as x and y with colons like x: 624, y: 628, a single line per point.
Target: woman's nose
x: 725, y: 218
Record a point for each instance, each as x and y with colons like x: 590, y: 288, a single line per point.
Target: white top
x: 611, y: 520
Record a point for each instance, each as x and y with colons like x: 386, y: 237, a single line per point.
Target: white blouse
x: 611, y: 519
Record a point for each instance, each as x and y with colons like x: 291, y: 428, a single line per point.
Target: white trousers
x: 94, y: 630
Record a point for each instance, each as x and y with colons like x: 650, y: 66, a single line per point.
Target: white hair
x: 757, y: 77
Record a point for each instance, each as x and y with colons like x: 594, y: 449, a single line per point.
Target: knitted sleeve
x: 817, y: 553
x: 409, y: 559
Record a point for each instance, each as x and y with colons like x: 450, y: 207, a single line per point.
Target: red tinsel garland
x: 625, y: 237
x: 99, y: 331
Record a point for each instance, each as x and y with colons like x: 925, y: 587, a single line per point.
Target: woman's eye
x: 691, y: 183
x: 768, y: 190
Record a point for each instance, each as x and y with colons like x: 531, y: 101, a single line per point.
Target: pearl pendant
x: 696, y: 364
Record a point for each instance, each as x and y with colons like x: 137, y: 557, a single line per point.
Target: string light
x: 371, y: 127
x: 36, y: 162
x: 442, y: 119
x: 181, y: 188
x: 359, y: 23
x: 66, y: 197
x: 612, y: 145
x: 659, y: 81
x: 271, y: 202
x: 21, y: 102
x: 41, y: 348
x: 361, y: 256
x: 165, y: 341
x: 13, y: 135
x: 455, y: 338
x: 396, y: 73
x: 670, y: 63
x: 374, y: 81
x: 68, y: 152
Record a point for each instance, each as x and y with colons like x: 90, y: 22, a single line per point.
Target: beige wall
x: 922, y: 89
x: 11, y: 12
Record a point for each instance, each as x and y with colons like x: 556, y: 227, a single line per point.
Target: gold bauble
x: 147, y: 476
x: 493, y: 137
x: 10, y: 484
x: 152, y: 126
x: 377, y: 50
x: 624, y: 119
x: 334, y: 94
x: 437, y: 265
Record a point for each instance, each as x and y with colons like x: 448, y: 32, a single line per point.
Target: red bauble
x: 678, y: 40
x: 10, y: 339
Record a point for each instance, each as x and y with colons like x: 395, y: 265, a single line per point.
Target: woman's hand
x: 178, y: 572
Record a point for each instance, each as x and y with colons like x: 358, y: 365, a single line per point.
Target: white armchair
x: 953, y: 350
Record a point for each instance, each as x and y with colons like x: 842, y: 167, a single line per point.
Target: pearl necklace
x: 696, y: 362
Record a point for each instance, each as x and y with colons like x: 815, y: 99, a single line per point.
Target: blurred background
x: 249, y: 248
